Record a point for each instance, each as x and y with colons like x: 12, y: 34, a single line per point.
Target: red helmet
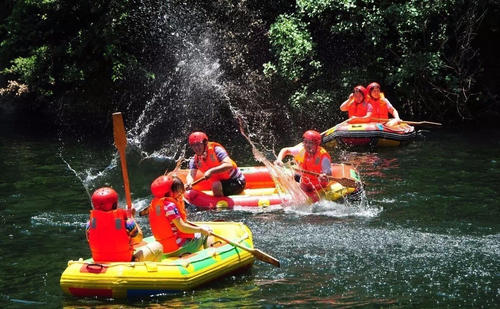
x: 104, y: 199
x: 161, y: 186
x: 371, y: 86
x: 360, y: 89
x: 312, y: 135
x: 197, y: 137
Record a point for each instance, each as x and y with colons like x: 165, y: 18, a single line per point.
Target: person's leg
x: 152, y: 251
x: 191, y: 246
x: 233, y: 186
x: 217, y: 188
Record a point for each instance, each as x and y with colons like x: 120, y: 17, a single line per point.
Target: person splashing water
x: 281, y: 176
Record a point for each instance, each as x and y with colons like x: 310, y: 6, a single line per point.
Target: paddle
x: 255, y: 252
x: 197, y: 181
x: 413, y: 123
x: 346, y: 182
x: 121, y: 143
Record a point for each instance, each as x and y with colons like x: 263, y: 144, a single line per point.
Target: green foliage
x: 313, y: 52
x: 293, y: 44
x: 407, y: 46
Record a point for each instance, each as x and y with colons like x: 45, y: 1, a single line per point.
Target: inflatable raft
x: 84, y: 278
x: 260, y: 190
x: 372, y: 134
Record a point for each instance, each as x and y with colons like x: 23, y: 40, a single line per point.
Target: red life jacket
x: 162, y: 228
x: 204, y: 163
x: 358, y: 109
x: 108, y: 237
x: 379, y: 105
x: 312, y: 163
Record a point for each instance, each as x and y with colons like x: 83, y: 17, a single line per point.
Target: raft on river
x: 372, y: 134
x: 261, y: 191
x: 84, y: 278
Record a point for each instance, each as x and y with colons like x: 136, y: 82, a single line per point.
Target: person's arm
x: 87, y: 228
x: 345, y: 106
x: 326, y: 170
x: 326, y: 166
x: 132, y: 227
x: 226, y: 165
x: 134, y: 231
x: 396, y: 120
x: 287, y: 151
x: 184, y: 227
x: 369, y: 111
x: 193, y: 169
x: 392, y: 110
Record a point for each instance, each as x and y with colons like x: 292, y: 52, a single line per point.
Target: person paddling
x: 110, y: 232
x: 311, y: 157
x: 359, y: 110
x: 168, y: 219
x: 381, y: 105
x: 213, y: 160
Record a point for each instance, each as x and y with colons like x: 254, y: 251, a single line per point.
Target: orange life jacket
x: 204, y: 163
x: 379, y: 105
x: 358, y: 109
x: 162, y: 227
x: 108, y: 237
x: 312, y: 163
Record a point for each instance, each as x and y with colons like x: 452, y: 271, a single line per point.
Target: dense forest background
x: 280, y: 64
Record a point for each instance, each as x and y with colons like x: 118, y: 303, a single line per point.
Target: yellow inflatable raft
x: 84, y: 278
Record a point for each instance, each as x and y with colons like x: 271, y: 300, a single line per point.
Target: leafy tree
x: 421, y: 52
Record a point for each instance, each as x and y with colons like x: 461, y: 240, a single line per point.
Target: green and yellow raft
x: 84, y: 278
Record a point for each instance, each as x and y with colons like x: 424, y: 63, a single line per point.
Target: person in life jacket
x: 311, y: 157
x: 357, y: 106
x: 109, y: 230
x: 213, y: 160
x: 167, y: 218
x: 381, y: 106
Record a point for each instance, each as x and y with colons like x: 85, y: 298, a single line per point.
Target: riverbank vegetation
x: 293, y: 62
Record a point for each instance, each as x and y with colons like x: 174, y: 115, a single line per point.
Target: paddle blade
x: 119, y: 131
x: 265, y: 257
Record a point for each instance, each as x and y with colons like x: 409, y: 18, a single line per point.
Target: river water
x: 427, y: 235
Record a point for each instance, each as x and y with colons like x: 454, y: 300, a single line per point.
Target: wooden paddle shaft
x: 343, y: 181
x: 121, y: 145
x: 255, y: 252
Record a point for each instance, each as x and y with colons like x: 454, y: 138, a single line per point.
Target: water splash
x: 338, y: 210
x: 290, y: 192
x: 190, y: 91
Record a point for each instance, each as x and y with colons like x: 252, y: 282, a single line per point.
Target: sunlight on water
x: 333, y: 209
x: 58, y: 219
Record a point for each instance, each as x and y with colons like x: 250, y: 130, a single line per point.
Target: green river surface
x: 427, y: 234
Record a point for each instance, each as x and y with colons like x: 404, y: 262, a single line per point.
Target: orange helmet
x: 105, y: 199
x: 313, y: 136
x: 197, y: 137
x: 161, y: 186
x: 370, y: 87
